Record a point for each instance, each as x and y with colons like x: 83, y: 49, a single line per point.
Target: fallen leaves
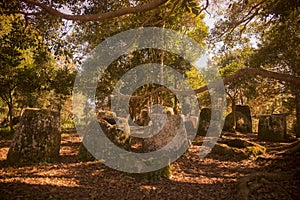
x: 192, y: 178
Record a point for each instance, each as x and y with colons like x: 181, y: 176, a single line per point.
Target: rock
x: 189, y: 127
x: 144, y: 118
x: 165, y: 135
x: 107, y: 116
x: 243, y: 123
x: 228, y: 153
x: 245, y: 110
x: 272, y: 128
x: 204, y: 121
x: 194, y: 120
x: 154, y: 175
x: 120, y: 138
x: 37, y: 137
x: 238, y: 148
x: 237, y: 143
x: 261, y: 185
x: 170, y: 128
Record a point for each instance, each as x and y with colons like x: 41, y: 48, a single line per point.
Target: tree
x: 97, y: 10
x: 23, y: 60
x: 270, y: 22
x: 28, y: 71
x: 274, y: 25
x: 131, y: 9
x: 192, y: 25
x: 61, y: 83
x: 237, y: 89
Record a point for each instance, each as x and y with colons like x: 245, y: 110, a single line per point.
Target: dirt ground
x: 214, y: 177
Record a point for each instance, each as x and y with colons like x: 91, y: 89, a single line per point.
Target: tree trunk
x: 59, y: 107
x: 233, y: 115
x: 162, y: 69
x: 10, y: 113
x: 297, y: 101
x: 232, y: 99
x: 101, y: 16
x: 10, y: 118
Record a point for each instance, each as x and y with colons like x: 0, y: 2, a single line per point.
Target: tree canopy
x: 27, y: 66
x: 255, y: 37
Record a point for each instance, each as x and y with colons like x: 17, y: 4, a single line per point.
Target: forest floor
x: 214, y: 177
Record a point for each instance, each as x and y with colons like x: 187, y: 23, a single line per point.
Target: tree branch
x: 256, y: 71
x: 246, y: 19
x: 167, y: 14
x: 205, y: 7
x: 239, y: 74
x: 97, y: 17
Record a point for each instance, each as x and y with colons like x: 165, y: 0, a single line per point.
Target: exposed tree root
x: 293, y: 149
x: 248, y: 183
x: 286, y: 149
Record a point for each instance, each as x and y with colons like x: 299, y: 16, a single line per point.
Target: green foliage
x: 23, y: 60
x: 29, y: 74
x: 67, y: 123
x: 195, y: 79
x: 256, y: 150
x: 191, y: 6
x: 22, y: 53
x: 272, y: 25
x: 155, y: 175
x: 81, y: 37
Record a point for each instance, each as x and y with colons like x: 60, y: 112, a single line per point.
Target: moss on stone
x: 155, y: 175
x: 238, y: 148
x: 37, y: 138
x: 118, y: 137
x: 229, y: 153
x: 256, y: 150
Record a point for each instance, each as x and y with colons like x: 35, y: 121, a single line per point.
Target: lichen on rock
x: 37, y: 138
